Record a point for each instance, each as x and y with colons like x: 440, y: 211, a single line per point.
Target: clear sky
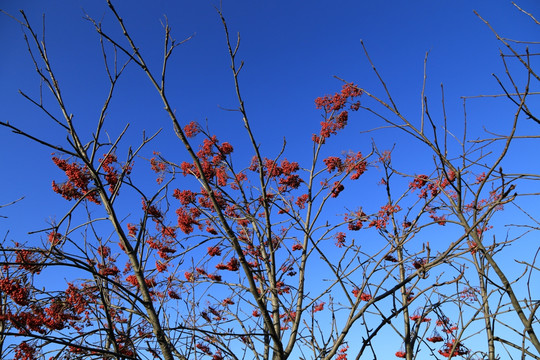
x: 291, y: 50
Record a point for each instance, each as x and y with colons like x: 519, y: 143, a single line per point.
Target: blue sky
x: 291, y: 50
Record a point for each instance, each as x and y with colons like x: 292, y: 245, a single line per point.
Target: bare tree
x: 219, y: 258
